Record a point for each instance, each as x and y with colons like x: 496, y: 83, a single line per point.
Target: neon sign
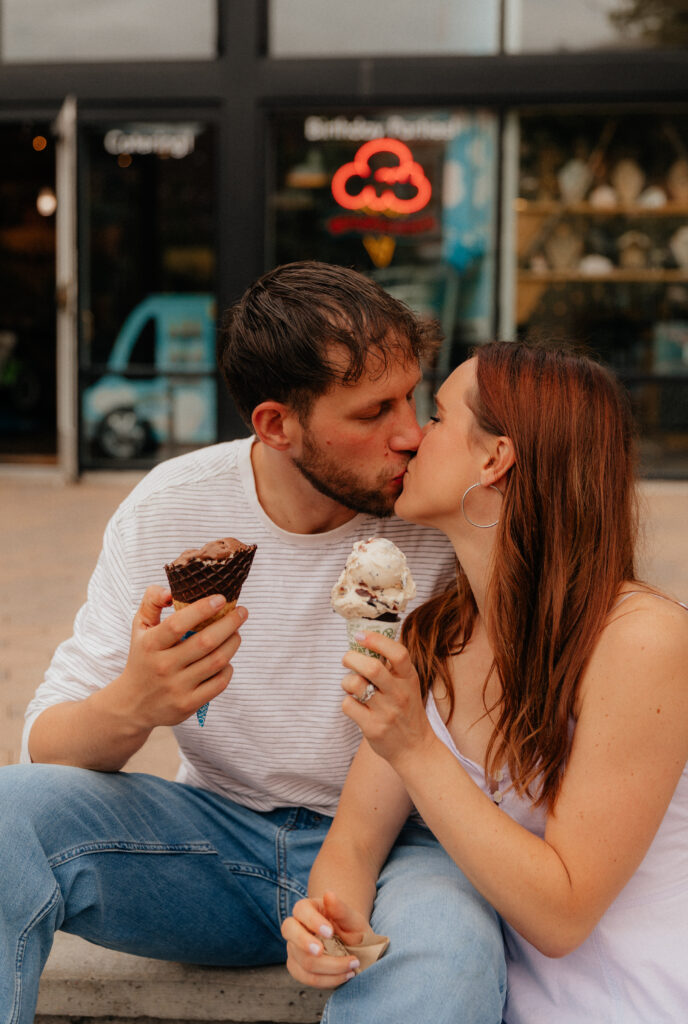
x: 406, y: 172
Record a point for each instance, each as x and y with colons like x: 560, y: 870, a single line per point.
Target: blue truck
x: 159, y: 385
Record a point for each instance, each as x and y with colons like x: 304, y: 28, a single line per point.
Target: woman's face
x: 449, y: 458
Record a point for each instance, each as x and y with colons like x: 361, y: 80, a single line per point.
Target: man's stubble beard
x: 326, y: 477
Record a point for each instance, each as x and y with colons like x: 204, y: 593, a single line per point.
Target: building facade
x: 504, y: 169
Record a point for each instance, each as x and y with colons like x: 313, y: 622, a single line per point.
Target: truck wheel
x: 122, y: 435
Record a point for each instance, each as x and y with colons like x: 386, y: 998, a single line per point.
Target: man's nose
x: 407, y: 434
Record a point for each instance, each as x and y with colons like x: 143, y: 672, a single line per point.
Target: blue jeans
x: 151, y: 867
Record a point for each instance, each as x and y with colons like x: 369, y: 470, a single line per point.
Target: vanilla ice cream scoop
x: 376, y: 581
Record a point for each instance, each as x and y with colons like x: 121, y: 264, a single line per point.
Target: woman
x: 537, y: 716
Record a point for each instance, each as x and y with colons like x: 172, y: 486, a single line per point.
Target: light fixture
x: 46, y: 202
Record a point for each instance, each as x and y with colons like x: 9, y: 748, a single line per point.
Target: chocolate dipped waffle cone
x: 219, y: 567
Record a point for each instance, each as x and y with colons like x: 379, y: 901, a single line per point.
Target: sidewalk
x: 50, y: 536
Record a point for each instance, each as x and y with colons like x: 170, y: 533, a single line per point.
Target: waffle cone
x: 230, y: 606
x: 203, y: 577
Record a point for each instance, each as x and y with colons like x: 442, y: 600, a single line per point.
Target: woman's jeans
x: 139, y: 864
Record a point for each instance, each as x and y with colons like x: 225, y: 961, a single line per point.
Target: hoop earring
x: 479, y: 526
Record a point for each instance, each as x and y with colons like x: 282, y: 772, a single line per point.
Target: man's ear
x: 274, y: 424
x: 500, y: 458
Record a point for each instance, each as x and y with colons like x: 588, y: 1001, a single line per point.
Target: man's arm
x: 163, y: 683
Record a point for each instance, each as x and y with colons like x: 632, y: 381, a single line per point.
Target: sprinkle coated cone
x: 219, y: 567
x: 362, y: 625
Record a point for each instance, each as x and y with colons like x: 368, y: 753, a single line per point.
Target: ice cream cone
x: 362, y: 625
x: 178, y: 605
x: 230, y: 606
x: 219, y: 567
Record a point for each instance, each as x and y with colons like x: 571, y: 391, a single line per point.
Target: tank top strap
x: 651, y: 593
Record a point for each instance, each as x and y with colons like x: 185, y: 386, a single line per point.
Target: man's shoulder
x: 201, y: 468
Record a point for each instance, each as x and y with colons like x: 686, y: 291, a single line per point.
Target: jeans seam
x: 21, y: 948
x: 128, y: 847
x: 283, y: 884
x: 240, y: 868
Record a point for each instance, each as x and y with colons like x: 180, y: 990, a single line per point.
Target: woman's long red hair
x: 565, y: 542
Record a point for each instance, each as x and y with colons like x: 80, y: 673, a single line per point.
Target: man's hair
x: 284, y: 339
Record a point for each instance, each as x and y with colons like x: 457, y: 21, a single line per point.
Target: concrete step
x: 86, y: 984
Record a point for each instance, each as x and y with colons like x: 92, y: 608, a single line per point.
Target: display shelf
x: 641, y: 275
x: 532, y: 283
x: 554, y: 207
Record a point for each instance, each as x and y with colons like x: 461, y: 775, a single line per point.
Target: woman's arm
x: 630, y: 747
x: 372, y: 809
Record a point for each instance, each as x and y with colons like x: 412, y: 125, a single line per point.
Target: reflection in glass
x: 538, y: 25
x: 602, y: 247
x: 147, y: 354
x: 406, y: 197
x: 84, y: 30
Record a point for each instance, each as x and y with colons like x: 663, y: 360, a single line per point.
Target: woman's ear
x: 273, y: 423
x: 500, y: 459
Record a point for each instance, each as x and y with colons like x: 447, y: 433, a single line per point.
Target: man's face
x: 358, y: 438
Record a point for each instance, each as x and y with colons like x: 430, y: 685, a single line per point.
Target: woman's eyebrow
x: 438, y: 402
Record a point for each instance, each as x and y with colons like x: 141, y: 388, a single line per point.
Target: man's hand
x: 167, y: 678
x: 393, y: 719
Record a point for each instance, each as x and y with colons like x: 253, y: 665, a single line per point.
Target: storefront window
x: 538, y: 26
x: 49, y: 32
x: 27, y: 293
x: 302, y: 28
x: 407, y: 198
x: 147, y: 286
x: 602, y: 229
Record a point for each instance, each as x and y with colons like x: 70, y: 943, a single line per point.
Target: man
x: 323, y: 364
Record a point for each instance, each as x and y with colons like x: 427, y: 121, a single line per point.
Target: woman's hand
x: 393, y: 720
x: 312, y: 921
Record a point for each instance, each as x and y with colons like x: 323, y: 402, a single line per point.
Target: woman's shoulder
x: 643, y: 647
x: 639, y: 607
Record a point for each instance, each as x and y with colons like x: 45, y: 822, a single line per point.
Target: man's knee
x: 440, y: 921
x: 40, y: 798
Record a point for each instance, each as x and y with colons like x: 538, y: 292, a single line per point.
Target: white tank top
x: 633, y: 968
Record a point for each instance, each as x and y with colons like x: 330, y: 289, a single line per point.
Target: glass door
x: 147, y: 290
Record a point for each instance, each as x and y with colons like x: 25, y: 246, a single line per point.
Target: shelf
x: 552, y: 208
x: 643, y: 275
x: 532, y: 283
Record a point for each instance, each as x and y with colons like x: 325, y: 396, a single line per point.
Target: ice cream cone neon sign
x: 406, y: 172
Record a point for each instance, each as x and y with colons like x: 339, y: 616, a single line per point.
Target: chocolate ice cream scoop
x: 218, y: 567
